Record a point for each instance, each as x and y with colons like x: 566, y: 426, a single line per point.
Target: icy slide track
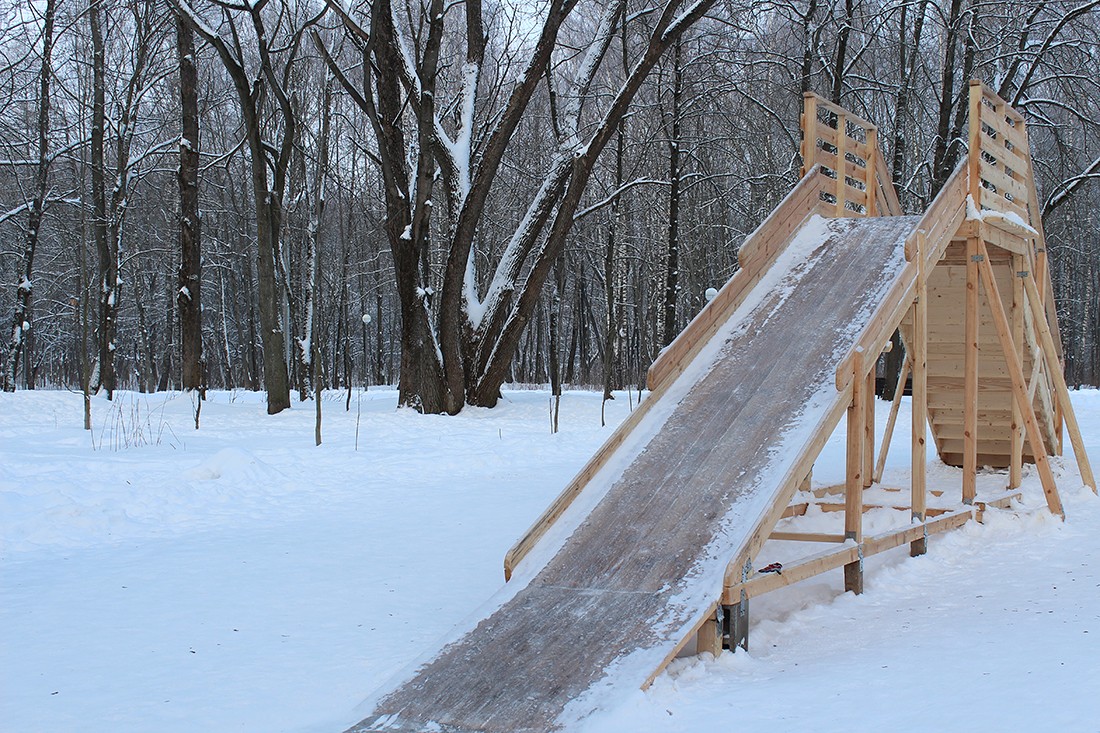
x: 606, y: 606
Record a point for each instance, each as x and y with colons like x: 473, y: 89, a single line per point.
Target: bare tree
x: 21, y: 321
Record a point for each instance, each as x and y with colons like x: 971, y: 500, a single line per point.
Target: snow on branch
x: 1067, y: 188
x: 610, y: 198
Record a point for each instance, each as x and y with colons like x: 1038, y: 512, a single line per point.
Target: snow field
x: 238, y: 578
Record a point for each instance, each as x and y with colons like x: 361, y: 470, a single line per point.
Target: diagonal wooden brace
x: 1055, y: 369
x: 1019, y: 387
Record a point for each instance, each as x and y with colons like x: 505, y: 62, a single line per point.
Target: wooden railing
x: 846, y: 147
x: 998, y: 158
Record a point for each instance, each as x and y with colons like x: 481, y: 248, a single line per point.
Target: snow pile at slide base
x: 238, y: 578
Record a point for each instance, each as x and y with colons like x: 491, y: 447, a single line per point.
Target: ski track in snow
x: 240, y: 578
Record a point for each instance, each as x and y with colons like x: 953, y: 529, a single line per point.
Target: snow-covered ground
x: 238, y: 578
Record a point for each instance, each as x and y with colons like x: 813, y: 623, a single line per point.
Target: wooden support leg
x: 1019, y: 387
x: 853, y: 483
x: 970, y: 373
x: 869, y: 429
x: 1016, y: 460
x: 709, y: 637
x: 919, y: 356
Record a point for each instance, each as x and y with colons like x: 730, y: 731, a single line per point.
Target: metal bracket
x: 1023, y: 273
x: 977, y: 258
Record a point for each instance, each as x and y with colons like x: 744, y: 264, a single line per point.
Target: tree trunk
x: 672, y: 253
x: 188, y: 296
x: 21, y: 321
x: 104, y: 377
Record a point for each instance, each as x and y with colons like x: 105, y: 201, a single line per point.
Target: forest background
x: 295, y: 194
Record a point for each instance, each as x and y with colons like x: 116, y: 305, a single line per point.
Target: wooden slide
x: 651, y: 548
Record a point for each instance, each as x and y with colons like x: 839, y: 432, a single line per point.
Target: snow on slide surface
x: 631, y: 567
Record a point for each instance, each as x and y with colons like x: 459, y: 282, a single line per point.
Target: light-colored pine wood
x: 842, y: 144
x: 709, y: 636
x: 807, y: 537
x: 1015, y: 467
x: 970, y: 376
x: 869, y: 428
x: 1062, y: 390
x: 871, y: 176
x: 822, y: 562
x: 1038, y: 449
x: 809, y: 131
x: 853, y: 483
x: 918, y: 344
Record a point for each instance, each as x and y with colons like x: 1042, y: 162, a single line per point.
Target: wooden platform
x: 647, y: 564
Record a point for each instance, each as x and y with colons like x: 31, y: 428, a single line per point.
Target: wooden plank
x: 807, y: 537
x: 870, y: 178
x: 842, y: 143
x: 1006, y: 235
x: 852, y: 170
x: 938, y: 400
x: 1005, y: 183
x: 809, y: 131
x: 1012, y: 159
x: 833, y: 137
x: 853, y: 483
x: 708, y: 638
x: 887, y: 541
x: 1038, y: 449
x: 832, y: 507
x: 1015, y: 468
x: 822, y: 562
x: 869, y: 427
x: 970, y: 375
x: 918, y: 353
x: 993, y: 460
x: 974, y: 142
x: 997, y: 202
x: 792, y: 573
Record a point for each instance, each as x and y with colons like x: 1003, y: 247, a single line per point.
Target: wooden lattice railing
x: 846, y: 147
x: 999, y: 163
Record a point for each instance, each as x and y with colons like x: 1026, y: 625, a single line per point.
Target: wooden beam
x: 1019, y: 387
x: 853, y: 483
x: 919, y: 355
x: 709, y: 636
x: 872, y: 143
x: 1015, y: 468
x: 807, y: 537
x: 970, y: 371
x: 841, y: 149
x: 869, y: 428
x: 837, y: 507
x: 809, y: 131
x: 1061, y: 389
x: 761, y: 583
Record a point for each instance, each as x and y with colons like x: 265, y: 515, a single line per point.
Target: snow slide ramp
x: 632, y: 567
